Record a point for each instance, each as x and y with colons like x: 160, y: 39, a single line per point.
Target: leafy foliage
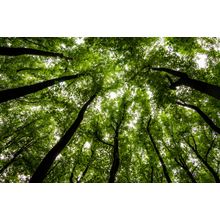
x: 130, y: 93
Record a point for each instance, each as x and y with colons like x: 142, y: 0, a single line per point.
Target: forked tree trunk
x: 183, y: 164
x: 48, y: 160
x: 206, y: 164
x: 9, y: 94
x: 198, y: 85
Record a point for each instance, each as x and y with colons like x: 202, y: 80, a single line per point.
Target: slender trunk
x: 48, y: 160
x: 116, y: 160
x: 87, y: 167
x: 71, y: 175
x: 18, y: 129
x: 203, y: 115
x: 76, y: 162
x: 182, y: 164
x: 17, y: 51
x: 198, y: 85
x: 15, y: 156
x: 165, y: 171
x: 9, y: 94
x: 29, y: 69
x: 152, y: 174
x: 211, y: 170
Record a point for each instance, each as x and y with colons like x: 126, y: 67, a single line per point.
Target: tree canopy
x: 124, y: 110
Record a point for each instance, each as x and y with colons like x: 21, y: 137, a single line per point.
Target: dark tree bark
x: 180, y: 161
x: 203, y: 115
x: 87, y: 167
x: 76, y: 162
x: 165, y: 171
x: 9, y: 94
x: 17, y: 51
x: 115, y: 146
x: 15, y: 156
x: 48, y: 160
x: 29, y: 69
x: 198, y: 85
x: 205, y: 162
x: 152, y: 174
x: 116, y: 160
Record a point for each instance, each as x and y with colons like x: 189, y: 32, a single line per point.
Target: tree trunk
x: 183, y: 164
x: 48, y: 160
x: 211, y: 170
x: 165, y: 171
x: 9, y: 94
x: 152, y: 174
x: 116, y: 160
x: 198, y: 85
x: 87, y: 167
x: 17, y: 51
x: 16, y: 154
x: 203, y: 115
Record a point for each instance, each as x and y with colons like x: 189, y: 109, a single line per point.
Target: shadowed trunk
x: 15, y: 156
x: 29, y: 69
x: 87, y: 167
x: 183, y: 164
x: 17, y: 51
x: 165, y: 171
x: 152, y: 174
x: 198, y: 85
x: 211, y: 170
x: 203, y: 115
x: 116, y: 160
x: 48, y: 160
x: 9, y: 94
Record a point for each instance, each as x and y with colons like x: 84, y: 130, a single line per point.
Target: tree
x: 46, y: 163
x: 134, y: 110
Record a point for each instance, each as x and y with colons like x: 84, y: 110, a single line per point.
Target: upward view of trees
x: 110, y: 110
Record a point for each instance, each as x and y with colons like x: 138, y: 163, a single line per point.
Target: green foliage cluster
x: 130, y: 93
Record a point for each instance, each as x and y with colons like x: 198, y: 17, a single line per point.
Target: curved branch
x: 203, y: 115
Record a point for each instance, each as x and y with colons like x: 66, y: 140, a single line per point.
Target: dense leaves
x: 109, y: 110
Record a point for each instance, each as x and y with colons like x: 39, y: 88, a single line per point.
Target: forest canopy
x: 110, y: 110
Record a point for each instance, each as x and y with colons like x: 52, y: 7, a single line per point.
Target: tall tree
x: 165, y: 170
x: 48, y: 160
x: 123, y: 153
